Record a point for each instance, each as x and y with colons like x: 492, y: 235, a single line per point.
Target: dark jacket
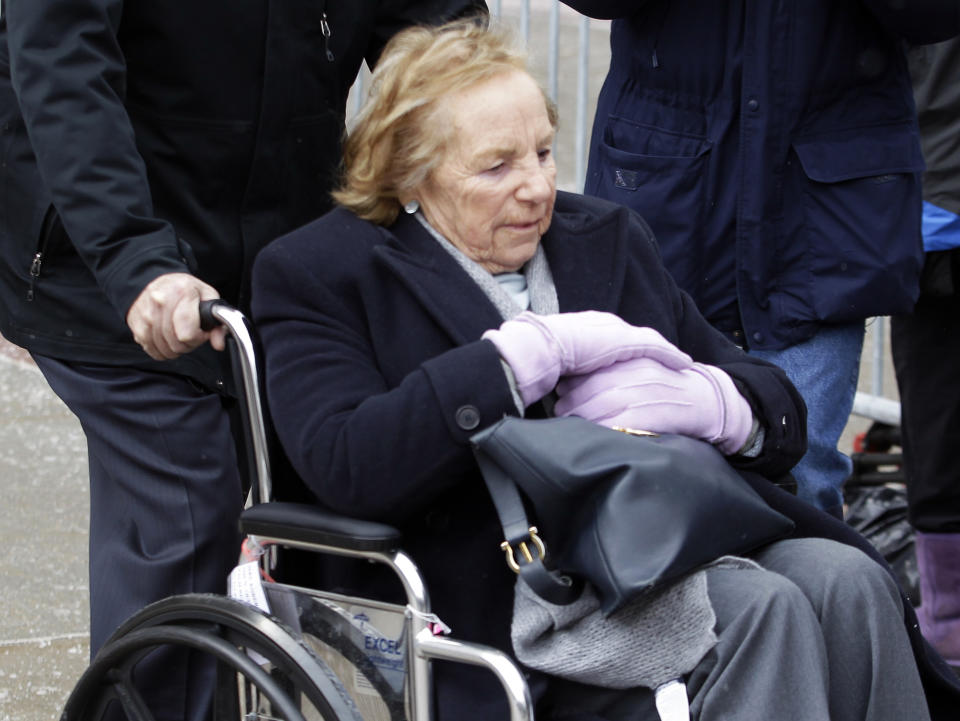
x: 378, y: 377
x: 935, y: 70
x: 143, y: 137
x: 773, y: 148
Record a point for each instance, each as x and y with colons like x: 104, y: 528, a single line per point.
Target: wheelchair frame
x: 227, y: 629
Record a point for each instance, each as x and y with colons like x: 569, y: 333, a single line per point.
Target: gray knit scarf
x: 543, y: 293
x: 659, y: 636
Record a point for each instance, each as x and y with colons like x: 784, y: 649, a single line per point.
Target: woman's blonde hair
x: 396, y: 141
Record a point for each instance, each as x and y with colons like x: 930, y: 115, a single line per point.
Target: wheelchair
x: 314, y: 654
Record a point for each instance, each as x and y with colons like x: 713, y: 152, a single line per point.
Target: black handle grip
x: 207, y: 319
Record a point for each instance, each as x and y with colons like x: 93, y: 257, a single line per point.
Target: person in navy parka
x: 773, y: 148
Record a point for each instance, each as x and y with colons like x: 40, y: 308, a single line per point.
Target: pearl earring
x: 411, y: 207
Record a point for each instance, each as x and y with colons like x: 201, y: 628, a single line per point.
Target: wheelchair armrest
x: 311, y: 524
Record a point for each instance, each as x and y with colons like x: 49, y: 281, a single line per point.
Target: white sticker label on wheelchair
x: 383, y: 645
x: 244, y: 584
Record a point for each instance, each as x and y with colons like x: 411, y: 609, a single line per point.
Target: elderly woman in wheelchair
x: 455, y: 285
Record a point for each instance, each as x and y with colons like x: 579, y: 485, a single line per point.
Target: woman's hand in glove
x: 540, y: 349
x: 700, y: 401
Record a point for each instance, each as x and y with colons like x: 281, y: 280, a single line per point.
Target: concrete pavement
x: 43, y: 532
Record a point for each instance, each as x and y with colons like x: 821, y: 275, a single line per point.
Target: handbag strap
x: 550, y: 585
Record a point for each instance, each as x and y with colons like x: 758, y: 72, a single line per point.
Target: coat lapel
x: 445, y: 291
x: 587, y: 255
x: 587, y: 259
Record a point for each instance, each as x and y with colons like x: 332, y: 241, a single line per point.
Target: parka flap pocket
x: 856, y: 231
x: 861, y: 153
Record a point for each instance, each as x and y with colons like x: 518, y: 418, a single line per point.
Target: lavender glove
x: 541, y: 348
x: 700, y: 401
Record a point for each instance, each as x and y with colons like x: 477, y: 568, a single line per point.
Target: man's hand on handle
x: 165, y: 320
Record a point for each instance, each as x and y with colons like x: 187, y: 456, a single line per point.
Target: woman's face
x: 493, y: 191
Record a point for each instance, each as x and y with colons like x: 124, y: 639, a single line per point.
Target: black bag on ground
x: 875, y: 496
x: 618, y: 510
x: 879, y: 512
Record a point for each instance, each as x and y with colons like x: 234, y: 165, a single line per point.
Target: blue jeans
x: 825, y: 370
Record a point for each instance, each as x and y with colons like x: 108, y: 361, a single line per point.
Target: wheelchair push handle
x: 208, y: 313
x: 243, y: 358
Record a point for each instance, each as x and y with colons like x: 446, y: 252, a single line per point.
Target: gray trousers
x: 817, y: 635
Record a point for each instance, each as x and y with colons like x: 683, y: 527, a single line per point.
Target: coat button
x: 468, y: 417
x: 758, y: 336
x: 752, y: 104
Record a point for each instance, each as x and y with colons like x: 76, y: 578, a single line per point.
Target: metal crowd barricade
x: 875, y: 405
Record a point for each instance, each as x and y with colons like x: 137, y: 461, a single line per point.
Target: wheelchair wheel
x: 264, y: 671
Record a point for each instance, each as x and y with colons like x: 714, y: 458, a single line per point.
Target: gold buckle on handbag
x: 634, y: 431
x: 540, y: 548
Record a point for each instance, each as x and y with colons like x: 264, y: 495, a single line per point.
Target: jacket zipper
x: 325, y: 30
x: 654, y: 59
x: 36, y: 264
x: 34, y: 273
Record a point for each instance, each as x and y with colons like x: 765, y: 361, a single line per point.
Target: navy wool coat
x: 377, y: 378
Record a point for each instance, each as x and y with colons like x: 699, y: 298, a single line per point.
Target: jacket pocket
x: 40, y: 255
x: 54, y: 259
x: 860, y: 220
x: 650, y: 170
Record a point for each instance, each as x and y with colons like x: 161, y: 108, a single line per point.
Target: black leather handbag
x: 621, y: 510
